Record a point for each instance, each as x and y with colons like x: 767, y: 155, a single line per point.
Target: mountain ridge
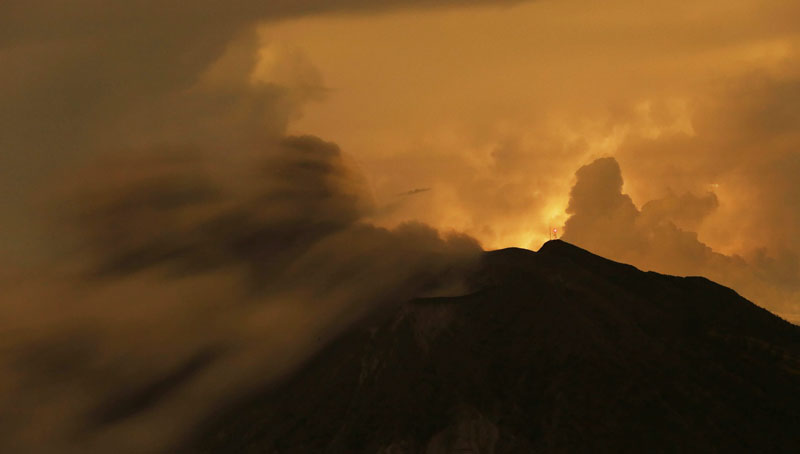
x: 552, y: 351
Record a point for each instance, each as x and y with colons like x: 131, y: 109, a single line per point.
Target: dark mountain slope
x: 556, y: 351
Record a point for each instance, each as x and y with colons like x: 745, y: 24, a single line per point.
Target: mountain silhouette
x: 558, y: 350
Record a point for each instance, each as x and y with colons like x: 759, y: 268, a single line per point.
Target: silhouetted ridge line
x: 558, y: 350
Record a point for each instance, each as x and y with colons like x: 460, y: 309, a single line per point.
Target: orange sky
x: 230, y: 182
x: 494, y: 109
x: 424, y: 99
x: 466, y: 115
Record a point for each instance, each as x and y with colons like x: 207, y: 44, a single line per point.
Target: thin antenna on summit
x: 554, y: 234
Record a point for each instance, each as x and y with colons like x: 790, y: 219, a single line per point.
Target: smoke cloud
x: 194, y: 280
x: 166, y: 246
x: 86, y: 78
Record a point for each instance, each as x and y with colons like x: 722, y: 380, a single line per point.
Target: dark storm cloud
x: 59, y: 18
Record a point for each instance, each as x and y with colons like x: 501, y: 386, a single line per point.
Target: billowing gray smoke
x: 165, y: 246
x: 194, y: 280
x: 90, y: 77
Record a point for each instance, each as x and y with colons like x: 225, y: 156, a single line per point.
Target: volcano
x: 558, y: 350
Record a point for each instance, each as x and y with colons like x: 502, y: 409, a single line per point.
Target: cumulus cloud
x: 743, y: 146
x: 659, y: 237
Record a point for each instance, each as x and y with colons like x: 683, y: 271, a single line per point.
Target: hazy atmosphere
x: 194, y: 196
x: 492, y: 112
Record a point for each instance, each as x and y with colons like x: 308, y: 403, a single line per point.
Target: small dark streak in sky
x: 413, y: 191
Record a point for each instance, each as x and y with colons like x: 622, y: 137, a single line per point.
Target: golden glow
x: 495, y: 109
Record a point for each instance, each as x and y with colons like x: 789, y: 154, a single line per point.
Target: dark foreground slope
x: 557, y: 351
